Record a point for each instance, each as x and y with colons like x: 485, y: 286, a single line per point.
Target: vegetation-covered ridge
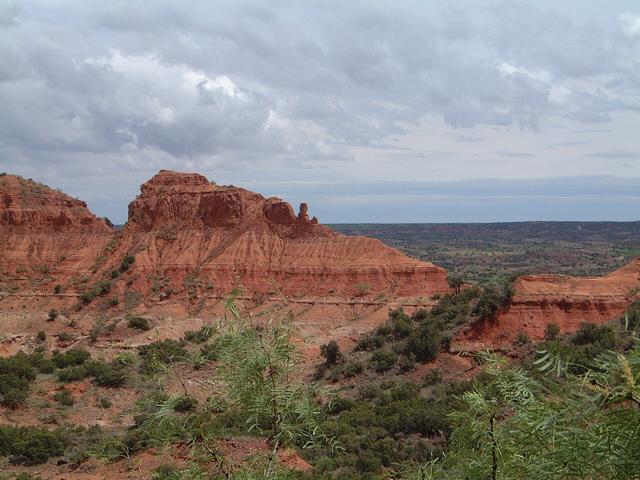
x: 568, y: 408
x: 483, y: 251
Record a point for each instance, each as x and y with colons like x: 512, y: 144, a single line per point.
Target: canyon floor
x: 483, y: 251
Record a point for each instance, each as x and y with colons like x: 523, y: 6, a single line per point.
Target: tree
x: 331, y: 353
x: 513, y: 426
x: 455, y: 281
x: 259, y: 364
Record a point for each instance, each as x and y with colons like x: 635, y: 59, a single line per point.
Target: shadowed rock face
x: 564, y: 300
x: 191, y: 237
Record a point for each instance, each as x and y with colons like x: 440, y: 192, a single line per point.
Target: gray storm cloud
x: 102, y: 87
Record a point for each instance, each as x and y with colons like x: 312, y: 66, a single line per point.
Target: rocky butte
x: 189, y: 239
x: 190, y: 234
x: 564, y: 300
x: 45, y: 235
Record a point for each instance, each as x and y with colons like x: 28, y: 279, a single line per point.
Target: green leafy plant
x: 383, y: 360
x: 139, y: 323
x: 30, y: 445
x: 64, y: 397
x: 259, y: 365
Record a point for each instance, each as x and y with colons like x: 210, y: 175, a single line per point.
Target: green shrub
x: 53, y: 314
x: 126, y: 263
x: 13, y: 390
x: 65, y: 337
x: 100, y: 289
x: 423, y: 343
x: 455, y: 281
x: 551, y: 331
x: 57, y: 289
x: 19, y: 365
x: 630, y: 320
x: 26, y: 476
x: 139, y: 323
x: 420, y: 315
x: 522, y: 338
x: 166, y: 472
x: 64, y: 397
x: 210, y: 351
x: 16, y: 373
x: 454, y: 310
x: 362, y: 288
x: 387, y: 425
x: 104, y: 402
x: 199, y: 336
x: 73, y: 374
x: 104, y: 374
x: 493, y: 298
x: 401, y: 328
x: 30, y: 445
x: 382, y: 360
x: 601, y: 336
x: 369, y: 342
x: 331, y: 353
x: 407, y: 363
x: 432, y: 377
x: 109, y: 375
x: 352, y: 368
x: 159, y: 353
x: 42, y: 364
x: 185, y: 403
x: 368, y: 462
x: 71, y: 357
x: 41, y: 336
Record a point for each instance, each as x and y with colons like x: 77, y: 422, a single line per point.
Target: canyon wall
x: 45, y: 235
x: 188, y: 238
x: 189, y: 234
x: 564, y: 300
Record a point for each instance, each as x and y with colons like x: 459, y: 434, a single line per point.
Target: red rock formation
x: 45, y: 233
x: 190, y: 234
x: 566, y: 301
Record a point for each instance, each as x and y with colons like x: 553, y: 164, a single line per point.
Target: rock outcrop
x: 564, y: 300
x: 45, y: 235
x: 192, y: 240
x: 190, y: 235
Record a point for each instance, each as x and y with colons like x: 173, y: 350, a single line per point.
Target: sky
x: 370, y: 111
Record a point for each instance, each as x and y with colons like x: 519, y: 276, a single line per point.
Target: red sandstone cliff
x: 193, y: 239
x: 45, y: 235
x: 564, y: 300
x: 190, y: 235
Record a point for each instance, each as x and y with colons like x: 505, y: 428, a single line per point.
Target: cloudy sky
x: 475, y: 110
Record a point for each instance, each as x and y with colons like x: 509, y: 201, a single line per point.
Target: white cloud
x: 511, y: 70
x: 559, y: 95
x: 630, y: 24
x: 239, y: 87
